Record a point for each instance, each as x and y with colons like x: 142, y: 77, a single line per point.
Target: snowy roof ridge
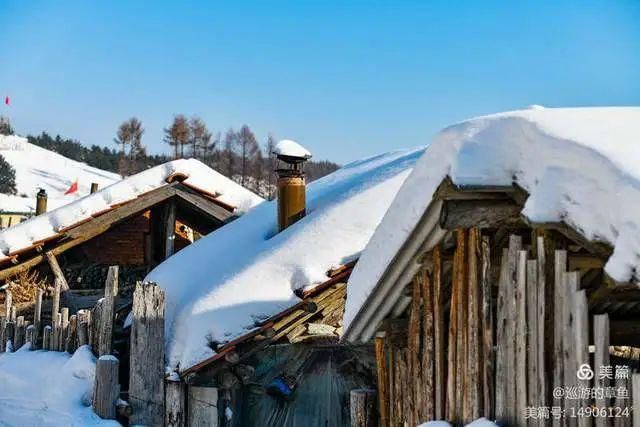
x: 579, y: 166
x: 197, y: 174
x: 246, y: 272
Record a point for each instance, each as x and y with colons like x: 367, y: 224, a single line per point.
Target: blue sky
x: 346, y: 79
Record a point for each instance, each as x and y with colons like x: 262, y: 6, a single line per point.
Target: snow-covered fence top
x: 197, y: 174
x: 579, y: 165
x: 219, y: 287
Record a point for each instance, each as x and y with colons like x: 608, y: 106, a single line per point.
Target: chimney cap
x: 290, y: 151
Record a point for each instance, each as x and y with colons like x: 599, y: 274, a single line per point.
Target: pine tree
x: 7, y: 177
x: 5, y: 126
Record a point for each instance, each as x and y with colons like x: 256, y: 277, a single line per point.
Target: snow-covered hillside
x: 39, y: 168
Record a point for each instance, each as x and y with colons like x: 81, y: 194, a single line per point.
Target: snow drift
x: 579, y: 165
x: 219, y: 287
x: 48, y: 388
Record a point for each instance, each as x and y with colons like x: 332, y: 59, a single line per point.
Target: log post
x: 8, y: 302
x: 175, y: 411
x: 363, y: 408
x: 57, y: 271
x: 57, y: 330
x: 46, y: 338
x: 487, y: 318
x: 108, y: 307
x: 203, y: 406
x: 560, y: 266
x: 106, y: 389
x: 29, y: 336
x: 635, y: 396
x: 37, y: 317
x: 8, y: 336
x: 601, y: 359
x: 55, y: 310
x: 3, y: 325
x: 83, y: 333
x: 473, y: 375
x: 18, y: 333
x: 581, y: 349
x: 64, y: 328
x: 72, y: 336
x: 521, y: 338
x: 383, y: 382
x: 146, y: 381
x: 169, y: 215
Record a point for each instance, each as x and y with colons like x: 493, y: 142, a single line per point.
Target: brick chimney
x: 291, y: 182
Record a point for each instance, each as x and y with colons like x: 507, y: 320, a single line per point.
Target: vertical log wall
x: 497, y: 344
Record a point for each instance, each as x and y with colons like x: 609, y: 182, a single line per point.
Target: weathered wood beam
x: 57, y: 271
x: 457, y: 214
x: 203, y: 205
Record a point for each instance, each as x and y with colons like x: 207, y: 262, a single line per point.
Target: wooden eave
x: 102, y: 221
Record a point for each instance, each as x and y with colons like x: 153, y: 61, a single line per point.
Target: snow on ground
x: 287, y: 147
x: 199, y: 175
x: 579, y: 165
x: 37, y: 167
x: 48, y: 388
x: 218, y: 287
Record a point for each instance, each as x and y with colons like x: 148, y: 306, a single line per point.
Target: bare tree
x: 200, y: 136
x: 130, y: 133
x: 248, y: 147
x: 177, y: 135
x: 228, y: 163
x: 271, y: 166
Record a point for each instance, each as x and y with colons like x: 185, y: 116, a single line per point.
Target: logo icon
x: 584, y: 372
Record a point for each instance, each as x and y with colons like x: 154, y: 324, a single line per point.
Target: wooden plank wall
x: 490, y: 357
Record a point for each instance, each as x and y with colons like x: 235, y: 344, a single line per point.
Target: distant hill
x: 37, y: 168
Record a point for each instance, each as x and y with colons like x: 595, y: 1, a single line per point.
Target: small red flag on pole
x: 6, y: 99
x: 73, y: 188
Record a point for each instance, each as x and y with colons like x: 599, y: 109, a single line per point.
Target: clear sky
x: 347, y: 79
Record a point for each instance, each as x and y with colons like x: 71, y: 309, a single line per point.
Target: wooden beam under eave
x: 463, y: 214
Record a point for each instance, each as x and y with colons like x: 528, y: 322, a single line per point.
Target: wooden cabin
x: 291, y: 370
x: 484, y: 314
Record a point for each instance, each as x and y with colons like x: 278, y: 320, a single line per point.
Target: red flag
x: 6, y: 99
x: 73, y: 188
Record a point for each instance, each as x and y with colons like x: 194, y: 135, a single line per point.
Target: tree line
x: 237, y: 154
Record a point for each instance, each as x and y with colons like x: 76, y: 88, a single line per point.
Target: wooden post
x: 106, y: 321
x: 521, y: 338
x: 169, y: 215
x: 635, y: 395
x: 501, y: 342
x: 560, y: 265
x: 8, y: 336
x: 106, y: 389
x: 57, y: 271
x: 532, y: 335
x: 8, y: 301
x: 175, y: 411
x: 487, y: 329
x: 57, y: 330
x: 543, y: 319
x: 29, y: 336
x: 55, y: 310
x: 569, y: 341
x: 83, y: 333
x: 473, y: 374
x: 37, y: 317
x: 72, y: 335
x: 581, y: 313
x: 438, y: 335
x: 601, y: 341
x: 413, y: 349
x: 203, y: 406
x: 64, y: 328
x: 424, y: 380
x: 383, y: 381
x: 363, y: 408
x: 146, y: 383
x: 18, y: 333
x: 46, y: 338
x: 515, y: 244
x: 3, y: 325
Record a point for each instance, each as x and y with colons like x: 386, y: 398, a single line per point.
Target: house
x: 134, y: 223
x: 506, y: 264
x: 254, y: 311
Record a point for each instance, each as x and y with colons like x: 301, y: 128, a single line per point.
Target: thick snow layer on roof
x: 48, y: 388
x: 579, y: 165
x: 287, y: 147
x: 37, y: 167
x: 244, y: 272
x: 198, y: 175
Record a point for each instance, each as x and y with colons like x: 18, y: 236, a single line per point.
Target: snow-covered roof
x: 579, y: 165
x: 198, y: 175
x: 220, y: 286
x: 287, y: 147
x: 37, y: 167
